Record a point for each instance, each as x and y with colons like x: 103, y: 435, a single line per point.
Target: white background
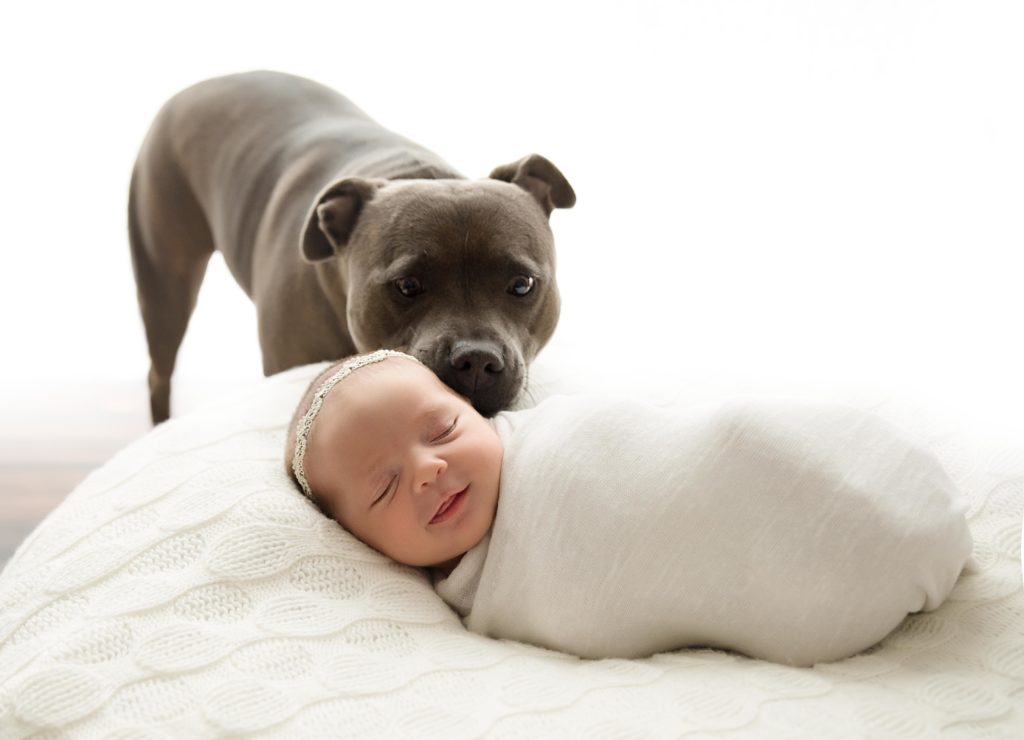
x: 794, y: 192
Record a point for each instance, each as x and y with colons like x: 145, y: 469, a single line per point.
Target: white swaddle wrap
x: 796, y: 533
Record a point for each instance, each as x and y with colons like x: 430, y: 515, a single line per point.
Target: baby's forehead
x: 374, y: 384
x: 386, y: 372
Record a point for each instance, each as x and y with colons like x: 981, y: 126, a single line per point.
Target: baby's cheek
x: 334, y: 507
x: 497, y: 455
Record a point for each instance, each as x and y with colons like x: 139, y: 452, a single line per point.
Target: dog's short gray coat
x: 346, y: 236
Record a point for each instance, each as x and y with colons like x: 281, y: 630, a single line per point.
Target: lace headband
x: 302, y: 434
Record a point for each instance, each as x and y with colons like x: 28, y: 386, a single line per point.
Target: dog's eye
x: 409, y: 286
x: 521, y: 285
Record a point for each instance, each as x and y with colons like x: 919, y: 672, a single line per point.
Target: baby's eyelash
x: 447, y: 432
x: 387, y: 490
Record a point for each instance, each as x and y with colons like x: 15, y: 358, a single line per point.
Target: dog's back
x: 274, y: 171
x: 240, y: 134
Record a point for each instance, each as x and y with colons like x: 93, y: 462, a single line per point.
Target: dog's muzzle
x: 478, y: 370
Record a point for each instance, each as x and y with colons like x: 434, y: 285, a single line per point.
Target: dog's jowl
x: 346, y: 236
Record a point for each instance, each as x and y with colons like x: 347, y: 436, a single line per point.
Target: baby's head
x: 397, y: 458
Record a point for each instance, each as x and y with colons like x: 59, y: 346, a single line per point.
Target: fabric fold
x: 794, y: 532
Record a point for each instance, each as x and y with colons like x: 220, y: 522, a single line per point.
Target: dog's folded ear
x: 333, y: 217
x: 541, y: 179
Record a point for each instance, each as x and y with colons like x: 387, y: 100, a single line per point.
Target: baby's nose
x: 431, y: 469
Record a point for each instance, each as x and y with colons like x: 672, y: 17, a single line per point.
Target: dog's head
x: 460, y: 273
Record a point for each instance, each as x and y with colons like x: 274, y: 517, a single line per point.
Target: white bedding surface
x: 186, y: 589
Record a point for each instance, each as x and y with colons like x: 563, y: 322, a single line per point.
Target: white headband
x: 302, y: 434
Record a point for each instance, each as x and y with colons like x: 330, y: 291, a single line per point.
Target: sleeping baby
x: 608, y: 528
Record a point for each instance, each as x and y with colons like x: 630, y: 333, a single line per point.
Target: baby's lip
x: 447, y: 500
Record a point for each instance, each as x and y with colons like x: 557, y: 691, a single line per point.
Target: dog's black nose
x: 477, y: 365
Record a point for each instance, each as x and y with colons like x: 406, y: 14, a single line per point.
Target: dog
x: 346, y: 236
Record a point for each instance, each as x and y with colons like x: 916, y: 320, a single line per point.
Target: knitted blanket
x: 187, y: 589
x: 796, y: 533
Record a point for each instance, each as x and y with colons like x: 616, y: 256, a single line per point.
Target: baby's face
x: 405, y: 464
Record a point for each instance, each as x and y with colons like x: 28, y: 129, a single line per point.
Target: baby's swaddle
x: 797, y: 533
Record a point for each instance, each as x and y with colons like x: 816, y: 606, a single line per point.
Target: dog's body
x: 346, y: 236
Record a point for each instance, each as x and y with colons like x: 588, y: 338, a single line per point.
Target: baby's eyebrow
x: 429, y: 417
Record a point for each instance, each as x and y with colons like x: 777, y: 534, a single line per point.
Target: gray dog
x: 346, y: 236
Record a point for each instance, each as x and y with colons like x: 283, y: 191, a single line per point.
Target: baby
x: 608, y: 528
x: 397, y: 458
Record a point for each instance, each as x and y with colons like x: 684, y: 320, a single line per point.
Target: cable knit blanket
x: 187, y: 589
x: 797, y: 533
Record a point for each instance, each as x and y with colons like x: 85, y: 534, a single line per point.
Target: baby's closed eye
x: 390, y: 486
x: 447, y: 431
